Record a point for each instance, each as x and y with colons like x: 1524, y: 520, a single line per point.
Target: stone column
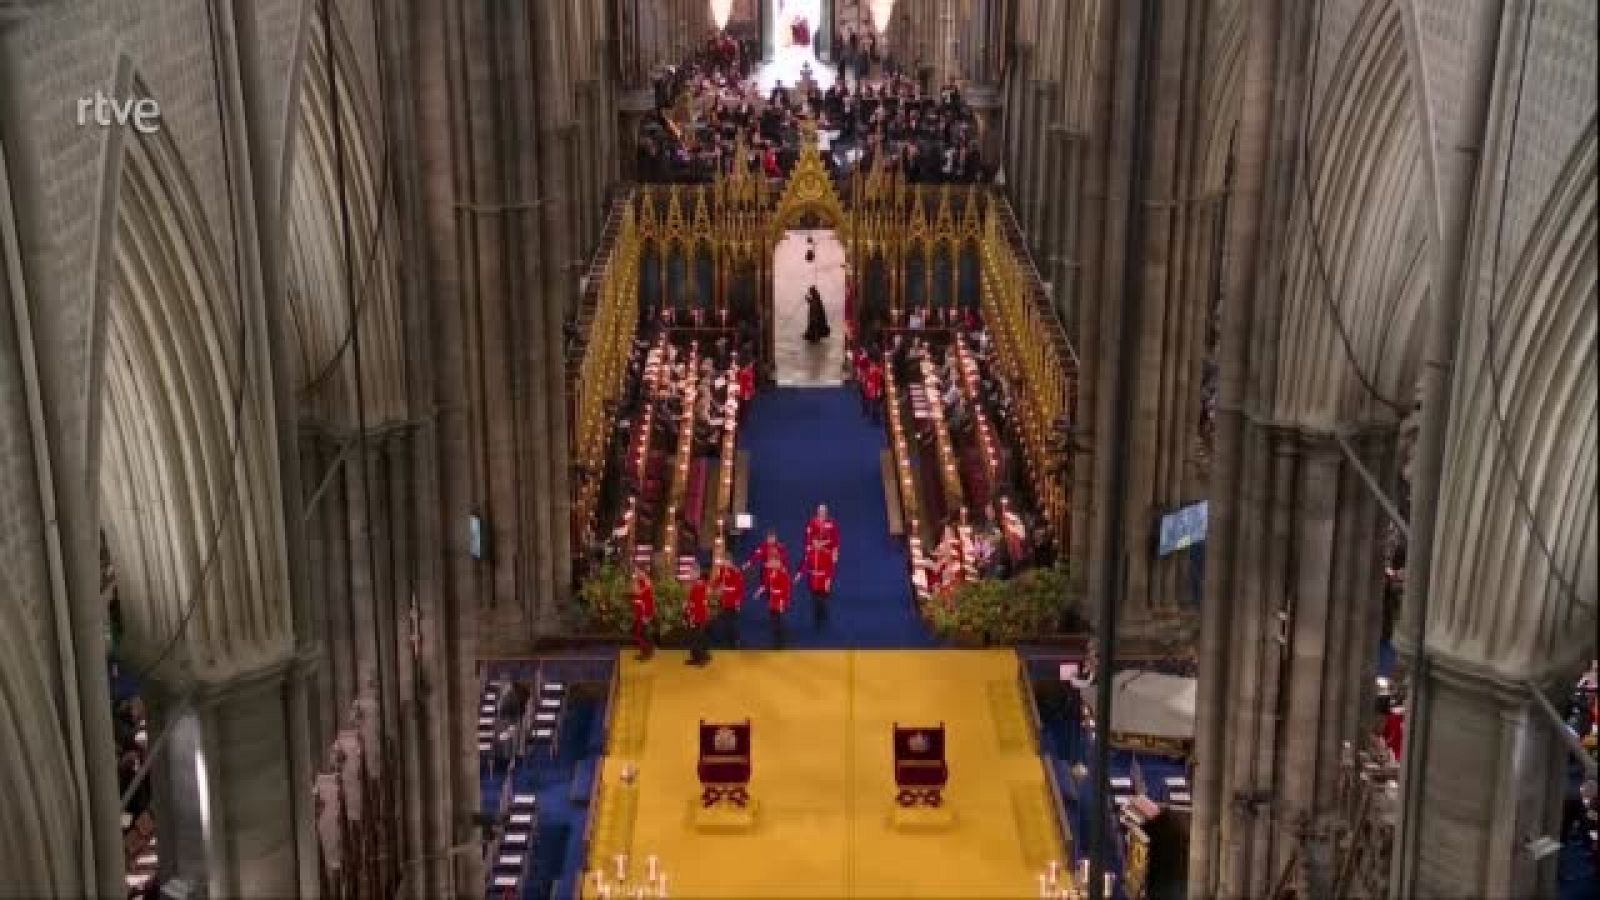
x: 1104, y: 340
x: 1489, y: 790
x: 1293, y: 654
x: 560, y: 294
x: 223, y: 793
x: 632, y: 107
x: 1221, y: 628
x: 452, y: 590
x: 985, y: 102
x: 1501, y: 589
x: 946, y: 66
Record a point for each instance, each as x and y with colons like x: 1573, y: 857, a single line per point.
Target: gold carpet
x: 823, y: 776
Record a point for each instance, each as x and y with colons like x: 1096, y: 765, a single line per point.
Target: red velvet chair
x: 724, y: 766
x: 920, y: 772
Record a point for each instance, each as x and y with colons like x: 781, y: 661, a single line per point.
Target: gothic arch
x: 186, y: 476
x: 323, y: 368
x: 1365, y: 180
x: 1544, y: 340
x: 809, y: 191
x: 1221, y: 94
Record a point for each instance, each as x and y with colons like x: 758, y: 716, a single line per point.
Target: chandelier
x: 720, y: 11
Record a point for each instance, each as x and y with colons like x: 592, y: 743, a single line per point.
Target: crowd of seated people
x: 130, y: 727
x: 931, y: 138
x: 1000, y: 536
x: 724, y: 367
x: 1580, y: 825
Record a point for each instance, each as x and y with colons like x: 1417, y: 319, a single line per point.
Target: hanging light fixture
x: 720, y: 11
x: 881, y: 10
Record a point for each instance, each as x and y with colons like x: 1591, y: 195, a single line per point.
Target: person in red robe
x: 697, y: 612
x: 729, y: 583
x: 872, y: 390
x: 644, y: 612
x: 779, y: 587
x: 765, y: 552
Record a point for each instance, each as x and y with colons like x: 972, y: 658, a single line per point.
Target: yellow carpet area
x: 823, y: 776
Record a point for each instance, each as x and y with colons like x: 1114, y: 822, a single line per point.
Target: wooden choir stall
x: 939, y: 263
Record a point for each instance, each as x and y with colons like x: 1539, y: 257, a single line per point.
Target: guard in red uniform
x: 765, y: 552
x: 872, y: 389
x: 824, y: 529
x: 729, y: 583
x: 644, y: 612
x: 1394, y: 729
x: 698, y: 613
x: 779, y: 586
x: 819, y: 565
x: 747, y: 382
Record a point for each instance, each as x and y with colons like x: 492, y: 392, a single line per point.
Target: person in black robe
x: 816, y: 317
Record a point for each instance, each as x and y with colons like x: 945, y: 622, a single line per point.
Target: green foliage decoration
x: 1032, y: 604
x: 607, y: 599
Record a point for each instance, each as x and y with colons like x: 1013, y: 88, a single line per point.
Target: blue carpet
x: 810, y: 446
x: 557, y: 850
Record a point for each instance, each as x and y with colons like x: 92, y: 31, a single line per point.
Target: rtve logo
x: 143, y: 113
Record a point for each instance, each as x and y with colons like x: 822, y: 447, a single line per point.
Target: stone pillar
x: 1294, y: 654
x: 1092, y: 205
x: 560, y: 296
x: 985, y: 102
x: 946, y: 66
x: 452, y: 590
x: 223, y: 794
x: 1488, y: 791
x: 1221, y: 629
x: 632, y: 108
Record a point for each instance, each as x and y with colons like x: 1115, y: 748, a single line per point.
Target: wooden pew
x: 741, y: 484
x: 891, y: 492
x: 710, y: 512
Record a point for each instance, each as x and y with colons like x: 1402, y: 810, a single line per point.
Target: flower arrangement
x: 607, y: 599
x: 1035, y: 602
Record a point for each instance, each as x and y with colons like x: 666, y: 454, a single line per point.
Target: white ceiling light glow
x: 720, y: 11
x: 881, y: 10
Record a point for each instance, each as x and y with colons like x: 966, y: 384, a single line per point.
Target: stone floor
x: 797, y: 363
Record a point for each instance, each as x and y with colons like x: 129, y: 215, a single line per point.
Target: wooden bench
x: 710, y: 514
x: 694, y: 495
x: 891, y: 492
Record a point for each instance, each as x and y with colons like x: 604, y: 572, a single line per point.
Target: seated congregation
x: 953, y: 434
x: 710, y: 110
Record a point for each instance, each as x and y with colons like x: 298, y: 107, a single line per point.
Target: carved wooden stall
x: 597, y: 363
x: 700, y: 256
x: 1036, y: 355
